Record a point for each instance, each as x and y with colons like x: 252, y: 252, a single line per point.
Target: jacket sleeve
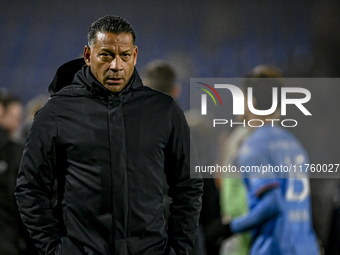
x: 36, y: 179
x: 185, y: 192
x: 269, y: 206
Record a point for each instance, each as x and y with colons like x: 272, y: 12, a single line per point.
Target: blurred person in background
x: 233, y: 197
x: 232, y: 190
x: 204, y: 144
x: 279, y: 215
x: 108, y: 140
x: 13, y: 236
x: 161, y: 75
x: 30, y: 109
x: 11, y: 119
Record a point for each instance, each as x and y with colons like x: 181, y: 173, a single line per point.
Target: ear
x: 176, y: 92
x: 87, y: 55
x: 2, y: 110
x: 135, y: 53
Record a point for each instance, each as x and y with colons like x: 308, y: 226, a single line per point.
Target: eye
x: 126, y: 56
x: 105, y: 56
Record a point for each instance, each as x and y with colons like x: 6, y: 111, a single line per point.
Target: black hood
x: 65, y: 74
x: 75, y: 75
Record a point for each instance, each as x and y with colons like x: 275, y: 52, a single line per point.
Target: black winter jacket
x: 108, y: 154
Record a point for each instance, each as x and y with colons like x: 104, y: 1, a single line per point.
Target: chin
x: 114, y: 88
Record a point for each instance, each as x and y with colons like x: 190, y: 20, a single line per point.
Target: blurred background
x: 200, y: 39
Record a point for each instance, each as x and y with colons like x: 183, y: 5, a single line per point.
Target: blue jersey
x: 290, y: 232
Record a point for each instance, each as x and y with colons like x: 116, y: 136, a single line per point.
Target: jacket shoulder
x: 158, y: 94
x: 72, y: 90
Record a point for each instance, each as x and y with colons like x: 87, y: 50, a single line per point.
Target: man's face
x: 112, y: 59
x: 11, y: 117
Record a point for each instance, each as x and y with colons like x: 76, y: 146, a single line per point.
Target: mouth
x: 114, y: 80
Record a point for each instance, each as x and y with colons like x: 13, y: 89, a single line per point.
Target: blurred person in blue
x: 232, y: 190
x: 108, y: 140
x: 279, y: 215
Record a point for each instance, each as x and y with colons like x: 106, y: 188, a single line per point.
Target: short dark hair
x: 160, y: 75
x: 263, y: 79
x: 109, y: 24
x: 7, y: 99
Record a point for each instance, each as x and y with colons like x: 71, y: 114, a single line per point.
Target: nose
x: 116, y: 64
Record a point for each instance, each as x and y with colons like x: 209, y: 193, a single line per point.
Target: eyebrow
x: 109, y: 51
x: 126, y: 51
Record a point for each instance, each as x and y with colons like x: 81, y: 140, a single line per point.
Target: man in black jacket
x: 107, y: 140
